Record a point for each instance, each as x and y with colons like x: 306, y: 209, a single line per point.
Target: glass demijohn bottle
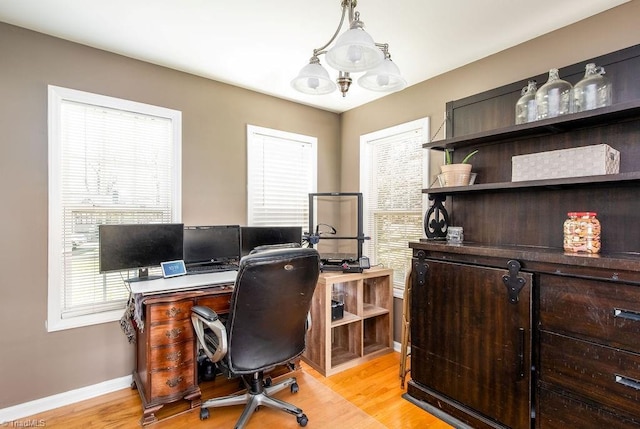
x: 554, y: 97
x: 593, y: 91
x: 526, y: 110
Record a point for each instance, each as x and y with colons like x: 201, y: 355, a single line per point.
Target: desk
x: 166, y: 356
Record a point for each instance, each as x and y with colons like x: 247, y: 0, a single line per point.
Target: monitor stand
x: 143, y: 275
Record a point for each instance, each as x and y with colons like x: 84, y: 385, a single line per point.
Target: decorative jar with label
x: 582, y: 232
x: 455, y: 235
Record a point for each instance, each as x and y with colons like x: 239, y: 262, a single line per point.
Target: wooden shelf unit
x: 366, y: 329
x: 508, y: 330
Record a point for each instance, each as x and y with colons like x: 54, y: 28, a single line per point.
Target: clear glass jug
x: 593, y: 91
x: 554, y: 97
x: 526, y: 110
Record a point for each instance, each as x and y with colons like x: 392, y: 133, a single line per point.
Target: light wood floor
x: 373, y: 387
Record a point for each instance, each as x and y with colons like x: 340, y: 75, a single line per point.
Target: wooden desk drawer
x: 171, y: 356
x: 172, y: 382
x: 607, y: 313
x: 606, y: 375
x: 170, y: 311
x: 171, y: 332
x: 561, y: 412
x: 218, y: 303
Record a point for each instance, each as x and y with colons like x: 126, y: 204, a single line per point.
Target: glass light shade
x: 354, y: 51
x: 313, y: 79
x: 385, y: 77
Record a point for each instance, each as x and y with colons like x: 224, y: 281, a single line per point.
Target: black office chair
x: 266, y: 327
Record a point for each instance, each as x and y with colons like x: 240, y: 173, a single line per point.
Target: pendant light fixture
x: 354, y: 51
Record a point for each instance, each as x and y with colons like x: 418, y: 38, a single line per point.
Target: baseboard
x: 397, y: 346
x: 31, y: 408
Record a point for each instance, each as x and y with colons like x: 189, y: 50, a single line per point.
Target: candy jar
x: 593, y: 91
x: 554, y: 97
x: 581, y: 233
x: 526, y: 106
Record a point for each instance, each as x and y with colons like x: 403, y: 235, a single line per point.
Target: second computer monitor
x: 217, y: 243
x: 254, y: 236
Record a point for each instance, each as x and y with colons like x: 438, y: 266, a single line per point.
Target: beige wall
x: 34, y: 363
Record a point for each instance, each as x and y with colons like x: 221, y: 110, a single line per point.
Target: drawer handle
x: 174, y: 356
x: 173, y: 333
x: 627, y: 314
x: 629, y: 382
x: 173, y: 312
x: 173, y: 382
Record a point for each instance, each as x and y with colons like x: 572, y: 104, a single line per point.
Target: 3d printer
x: 335, y: 227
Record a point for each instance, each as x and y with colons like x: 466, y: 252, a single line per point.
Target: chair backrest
x: 269, y: 306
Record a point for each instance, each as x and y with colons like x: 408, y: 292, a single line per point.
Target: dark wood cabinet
x: 478, y: 352
x: 576, y: 324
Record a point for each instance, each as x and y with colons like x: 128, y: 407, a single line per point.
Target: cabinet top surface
x: 629, y: 261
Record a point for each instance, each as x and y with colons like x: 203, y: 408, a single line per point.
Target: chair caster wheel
x: 302, y: 420
x: 204, y: 413
x: 295, y: 388
x: 267, y: 381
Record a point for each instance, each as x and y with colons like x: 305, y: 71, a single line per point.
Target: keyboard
x: 214, y: 268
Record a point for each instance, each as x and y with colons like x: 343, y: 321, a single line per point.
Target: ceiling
x: 261, y: 45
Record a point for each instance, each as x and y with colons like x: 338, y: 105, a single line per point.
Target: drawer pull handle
x: 173, y: 333
x: 629, y: 382
x: 173, y: 312
x: 627, y: 314
x: 173, y: 382
x: 174, y: 356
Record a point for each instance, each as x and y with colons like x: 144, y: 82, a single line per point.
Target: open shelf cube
x: 365, y: 329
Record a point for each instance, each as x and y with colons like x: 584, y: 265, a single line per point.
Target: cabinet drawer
x: 171, y: 332
x: 218, y: 303
x: 173, y: 382
x: 606, y: 375
x: 604, y: 312
x: 557, y: 411
x: 171, y: 356
x: 170, y: 311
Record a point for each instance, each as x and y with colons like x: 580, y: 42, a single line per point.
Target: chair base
x: 256, y: 395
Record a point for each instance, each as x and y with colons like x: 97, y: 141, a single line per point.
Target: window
x: 281, y: 172
x: 110, y: 161
x: 393, y: 172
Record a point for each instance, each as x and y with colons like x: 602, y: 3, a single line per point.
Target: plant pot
x: 455, y: 174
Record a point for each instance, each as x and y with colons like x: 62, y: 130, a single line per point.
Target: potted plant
x: 456, y: 174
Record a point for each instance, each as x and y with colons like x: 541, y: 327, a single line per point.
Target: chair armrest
x: 204, y: 317
x: 205, y: 313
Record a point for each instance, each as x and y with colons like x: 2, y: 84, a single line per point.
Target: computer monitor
x: 207, y: 244
x: 139, y: 246
x: 254, y: 236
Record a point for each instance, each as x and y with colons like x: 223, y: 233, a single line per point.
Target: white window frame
x: 57, y: 95
x: 254, y: 133
x: 420, y: 126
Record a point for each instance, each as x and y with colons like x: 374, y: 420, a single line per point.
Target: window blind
x: 281, y: 172
x: 110, y: 166
x: 392, y: 178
